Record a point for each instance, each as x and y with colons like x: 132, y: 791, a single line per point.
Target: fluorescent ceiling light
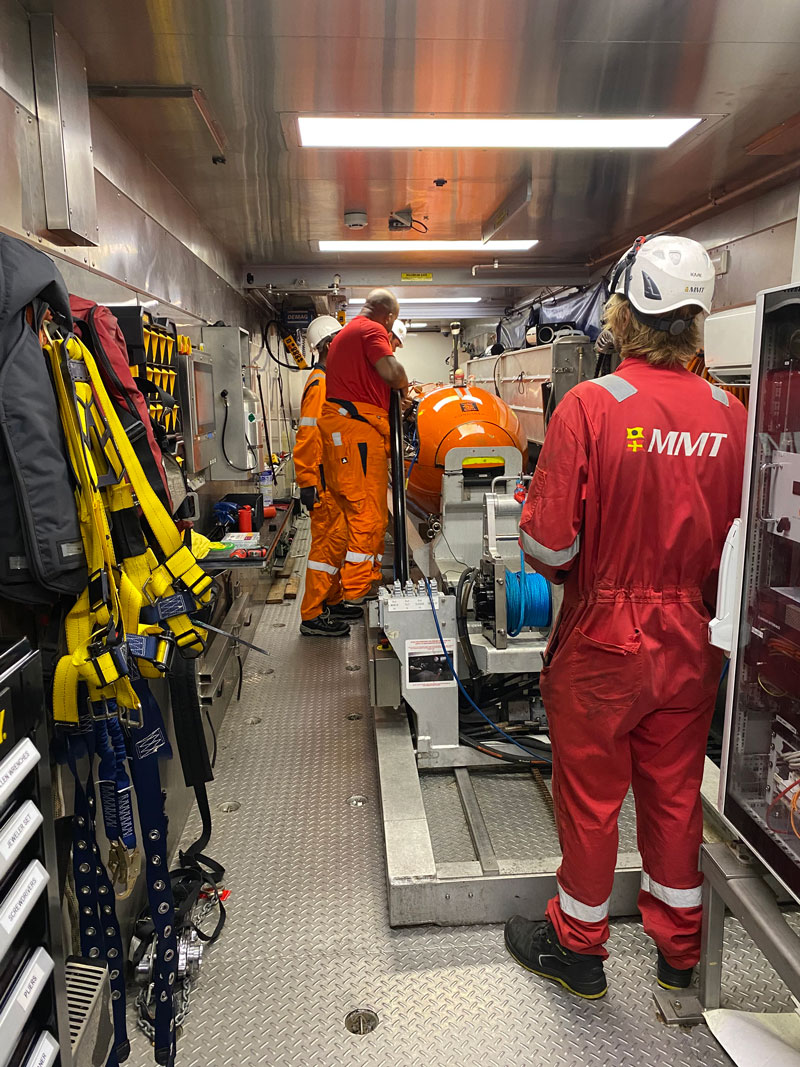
x: 417, y: 325
x: 426, y: 246
x: 385, y: 132
x: 425, y: 300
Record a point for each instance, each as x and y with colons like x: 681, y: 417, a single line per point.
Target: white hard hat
x: 399, y: 329
x: 321, y: 328
x: 663, y: 273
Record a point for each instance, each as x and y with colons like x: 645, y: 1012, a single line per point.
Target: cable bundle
x: 528, y: 600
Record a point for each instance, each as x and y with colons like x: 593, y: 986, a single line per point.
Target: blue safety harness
x: 100, y: 736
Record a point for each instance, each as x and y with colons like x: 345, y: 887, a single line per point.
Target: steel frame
x: 485, y: 890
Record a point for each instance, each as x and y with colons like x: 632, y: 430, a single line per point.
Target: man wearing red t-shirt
x: 354, y: 424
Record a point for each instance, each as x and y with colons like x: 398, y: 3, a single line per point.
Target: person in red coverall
x: 354, y: 424
x: 638, y: 482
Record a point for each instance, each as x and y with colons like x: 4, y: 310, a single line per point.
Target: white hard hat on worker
x: 399, y: 329
x: 322, y: 328
x: 661, y: 274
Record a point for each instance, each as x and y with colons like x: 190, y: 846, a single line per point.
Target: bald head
x: 381, y: 305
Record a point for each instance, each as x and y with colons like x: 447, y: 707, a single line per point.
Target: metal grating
x: 308, y: 939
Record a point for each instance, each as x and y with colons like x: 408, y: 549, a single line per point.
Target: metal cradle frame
x: 487, y: 889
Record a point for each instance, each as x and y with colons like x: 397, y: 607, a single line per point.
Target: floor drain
x: 361, y: 1021
x: 353, y: 667
x: 229, y: 805
x: 357, y: 801
x: 254, y: 720
x: 354, y: 717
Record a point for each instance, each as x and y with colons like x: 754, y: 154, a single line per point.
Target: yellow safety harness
x: 144, y: 582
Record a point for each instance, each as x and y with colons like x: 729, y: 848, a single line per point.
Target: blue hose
x: 528, y: 600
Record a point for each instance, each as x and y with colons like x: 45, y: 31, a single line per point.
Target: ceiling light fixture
x: 319, y: 131
x: 426, y: 246
x: 425, y: 300
x: 417, y: 325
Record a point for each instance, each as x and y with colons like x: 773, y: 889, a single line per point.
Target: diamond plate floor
x: 308, y: 939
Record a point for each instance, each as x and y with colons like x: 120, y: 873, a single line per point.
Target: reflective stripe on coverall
x: 638, y: 482
x: 328, y: 530
x: 355, y: 446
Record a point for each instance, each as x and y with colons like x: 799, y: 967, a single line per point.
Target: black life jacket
x: 41, y: 551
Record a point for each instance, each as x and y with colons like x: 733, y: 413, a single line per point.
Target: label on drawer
x: 16, y: 765
x: 29, y: 993
x: 22, y: 896
x: 18, y: 830
x: 44, y: 1052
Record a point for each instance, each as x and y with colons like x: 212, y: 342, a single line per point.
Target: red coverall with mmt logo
x: 638, y: 482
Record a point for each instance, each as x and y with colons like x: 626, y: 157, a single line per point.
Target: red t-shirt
x: 352, y: 356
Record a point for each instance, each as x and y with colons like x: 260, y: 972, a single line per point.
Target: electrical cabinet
x: 760, y: 792
x: 238, y: 454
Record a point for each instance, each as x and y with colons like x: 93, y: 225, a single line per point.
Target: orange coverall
x: 328, y: 529
x: 356, y: 444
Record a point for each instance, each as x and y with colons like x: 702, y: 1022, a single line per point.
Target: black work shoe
x: 670, y: 977
x: 343, y: 610
x: 324, y: 626
x: 535, y: 947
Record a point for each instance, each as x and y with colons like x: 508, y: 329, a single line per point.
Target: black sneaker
x: 535, y: 947
x: 343, y: 610
x: 670, y: 977
x: 324, y: 626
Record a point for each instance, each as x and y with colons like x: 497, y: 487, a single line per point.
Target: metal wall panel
x: 135, y: 175
x: 16, y: 73
x: 153, y: 247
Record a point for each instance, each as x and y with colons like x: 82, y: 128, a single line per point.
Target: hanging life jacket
x: 41, y: 551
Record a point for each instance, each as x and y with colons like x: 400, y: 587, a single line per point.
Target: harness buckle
x: 155, y: 648
x: 133, y: 718
x: 109, y: 660
x: 100, y: 716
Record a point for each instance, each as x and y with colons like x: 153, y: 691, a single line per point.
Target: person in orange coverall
x: 639, y: 480
x: 362, y: 371
x: 322, y: 612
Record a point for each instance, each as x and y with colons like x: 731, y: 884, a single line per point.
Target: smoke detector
x: 355, y: 220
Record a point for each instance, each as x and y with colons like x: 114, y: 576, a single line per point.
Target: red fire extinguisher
x: 245, y: 519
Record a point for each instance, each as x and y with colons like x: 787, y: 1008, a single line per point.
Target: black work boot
x: 324, y: 626
x: 535, y: 947
x: 343, y: 610
x: 670, y: 977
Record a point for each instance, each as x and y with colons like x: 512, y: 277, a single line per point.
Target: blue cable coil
x: 529, y: 602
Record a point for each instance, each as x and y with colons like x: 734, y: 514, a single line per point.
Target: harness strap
x: 100, y: 935
x: 147, y: 746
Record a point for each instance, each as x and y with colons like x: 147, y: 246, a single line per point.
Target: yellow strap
x: 158, y: 518
x: 82, y: 622
x: 180, y: 562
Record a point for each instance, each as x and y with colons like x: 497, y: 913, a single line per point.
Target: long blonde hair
x: 659, y: 348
